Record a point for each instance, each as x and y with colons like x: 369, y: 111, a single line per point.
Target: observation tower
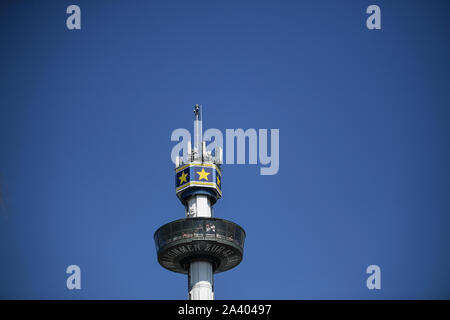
x: 199, y: 245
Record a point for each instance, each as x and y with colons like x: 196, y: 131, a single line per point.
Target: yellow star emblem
x: 183, y: 177
x: 218, y: 181
x: 203, y: 174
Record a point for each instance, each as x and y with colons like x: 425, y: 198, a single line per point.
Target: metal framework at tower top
x: 199, y: 245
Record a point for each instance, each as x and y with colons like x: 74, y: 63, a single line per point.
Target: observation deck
x: 183, y: 241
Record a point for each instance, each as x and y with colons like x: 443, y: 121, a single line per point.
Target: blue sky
x: 86, y: 118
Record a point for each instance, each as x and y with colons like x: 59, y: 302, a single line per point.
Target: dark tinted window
x: 210, y: 228
x: 162, y: 236
x: 231, y: 230
x: 187, y: 225
x: 242, y: 237
x: 198, y: 228
x: 238, y: 236
x: 221, y: 229
x: 176, y: 226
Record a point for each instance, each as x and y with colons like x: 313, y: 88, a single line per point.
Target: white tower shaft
x: 200, y: 272
x: 199, y: 206
x: 201, y: 281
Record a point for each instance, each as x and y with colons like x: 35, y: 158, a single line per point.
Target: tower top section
x: 198, y: 131
x: 198, y: 171
x: 196, y: 152
x: 197, y: 111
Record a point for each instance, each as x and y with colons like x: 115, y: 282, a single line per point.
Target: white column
x: 200, y: 272
x: 199, y: 206
x: 201, y: 281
